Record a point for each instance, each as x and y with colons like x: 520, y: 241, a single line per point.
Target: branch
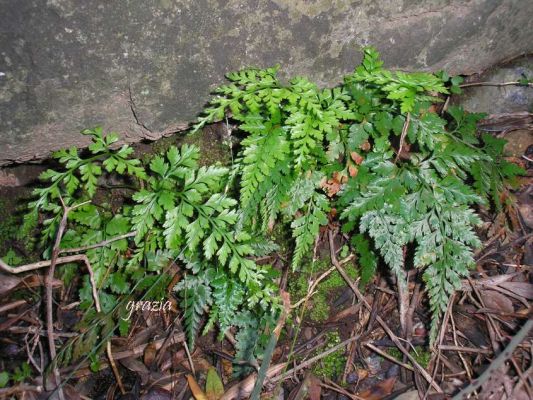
x: 497, y: 363
x: 383, y: 324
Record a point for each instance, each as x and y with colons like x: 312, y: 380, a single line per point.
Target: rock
x: 144, y: 68
x: 496, y: 100
x: 518, y: 142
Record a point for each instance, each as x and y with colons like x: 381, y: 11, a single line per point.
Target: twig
x: 402, y: 137
x: 49, y: 297
x: 63, y: 260
x: 333, y: 386
x: 497, y: 362
x: 388, y: 356
x: 189, y: 357
x: 314, y: 359
x: 464, y: 349
x: 454, y: 334
x: 383, y: 324
x: 100, y: 244
x: 497, y: 84
x: 311, y: 290
x: 19, y: 388
x: 15, y: 304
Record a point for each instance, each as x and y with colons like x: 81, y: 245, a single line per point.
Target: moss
x: 209, y: 140
x: 332, y: 365
x: 420, y: 354
x: 212, y: 149
x: 319, y: 305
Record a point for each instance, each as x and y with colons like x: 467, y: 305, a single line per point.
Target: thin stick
x: 313, y: 360
x: 497, y: 362
x: 402, y: 137
x: 464, y: 349
x: 311, y: 290
x: 497, y: 84
x: 383, y: 324
x: 189, y: 358
x: 100, y: 244
x: 454, y: 334
x: 333, y: 386
x: 388, y: 356
x: 49, y: 299
x: 15, y: 304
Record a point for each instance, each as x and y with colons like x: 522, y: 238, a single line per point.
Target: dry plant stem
x: 311, y: 290
x: 189, y: 357
x: 491, y: 325
x: 63, y: 260
x: 521, y: 382
x: 312, y: 360
x: 15, y: 304
x: 60, y: 260
x: 380, y: 321
x: 454, y: 334
x: 388, y: 356
x: 497, y: 84
x: 329, y: 384
x: 19, y: 389
x: 497, y: 362
x: 402, y: 137
x: 464, y: 349
x: 100, y: 244
x: 436, y: 360
x: 49, y: 298
x: 522, y: 378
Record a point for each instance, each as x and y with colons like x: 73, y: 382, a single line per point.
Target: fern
x: 370, y: 151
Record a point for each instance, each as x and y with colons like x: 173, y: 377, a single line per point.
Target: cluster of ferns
x: 371, y: 155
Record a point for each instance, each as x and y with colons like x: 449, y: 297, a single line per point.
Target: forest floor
x: 338, y: 341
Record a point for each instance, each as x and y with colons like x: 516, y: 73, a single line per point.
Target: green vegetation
x: 420, y: 354
x: 371, y: 154
x: 319, y: 304
x: 333, y: 364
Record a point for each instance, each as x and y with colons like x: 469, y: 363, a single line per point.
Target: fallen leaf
x: 497, y: 301
x: 149, y: 354
x: 195, y: 389
x: 315, y: 389
x: 214, y: 389
x: 378, y: 391
x: 7, y: 283
x: 523, y: 289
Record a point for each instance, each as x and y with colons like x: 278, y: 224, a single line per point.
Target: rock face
x: 504, y: 99
x: 145, y: 67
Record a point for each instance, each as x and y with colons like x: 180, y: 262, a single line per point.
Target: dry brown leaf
x: 378, y: 391
x: 315, y: 389
x: 497, y: 301
x: 7, y: 283
x: 523, y: 289
x: 197, y: 392
x: 149, y: 354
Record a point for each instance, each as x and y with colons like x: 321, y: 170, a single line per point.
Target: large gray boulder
x: 144, y: 68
